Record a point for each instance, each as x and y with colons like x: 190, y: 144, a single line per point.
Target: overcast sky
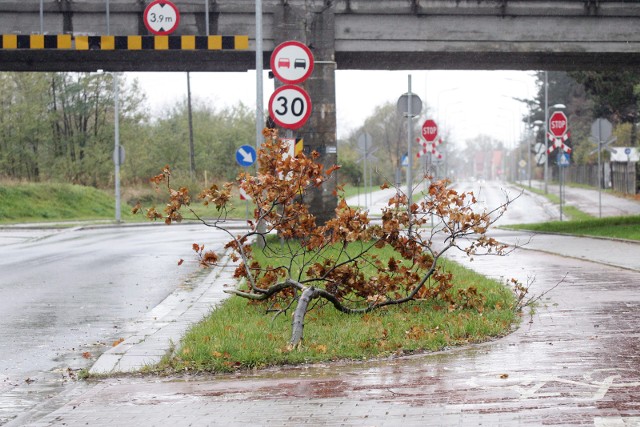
x: 464, y: 103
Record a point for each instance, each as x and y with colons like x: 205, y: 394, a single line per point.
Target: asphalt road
x: 526, y: 206
x: 572, y: 361
x: 68, y: 295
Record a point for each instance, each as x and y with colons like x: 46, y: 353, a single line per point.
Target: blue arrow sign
x: 246, y: 155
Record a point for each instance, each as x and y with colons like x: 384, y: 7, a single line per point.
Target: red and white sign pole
x: 558, y: 132
x: 430, y: 135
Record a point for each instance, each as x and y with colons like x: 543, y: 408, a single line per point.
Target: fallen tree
x: 336, y: 263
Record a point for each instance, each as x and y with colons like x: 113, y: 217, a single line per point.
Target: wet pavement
x: 573, y: 361
x: 587, y: 200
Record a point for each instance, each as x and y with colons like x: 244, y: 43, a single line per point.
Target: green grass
x: 240, y: 335
x: 55, y: 202
x: 623, y: 227
x: 574, y: 213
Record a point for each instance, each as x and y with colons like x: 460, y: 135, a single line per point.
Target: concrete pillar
x: 315, y: 26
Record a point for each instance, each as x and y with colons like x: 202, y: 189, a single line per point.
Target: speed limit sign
x: 290, y: 106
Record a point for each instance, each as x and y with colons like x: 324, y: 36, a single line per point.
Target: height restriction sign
x: 161, y: 17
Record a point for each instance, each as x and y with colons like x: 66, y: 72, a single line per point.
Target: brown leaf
x: 86, y: 355
x: 117, y: 342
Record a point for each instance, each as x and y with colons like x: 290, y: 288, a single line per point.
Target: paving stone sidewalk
x: 165, y: 325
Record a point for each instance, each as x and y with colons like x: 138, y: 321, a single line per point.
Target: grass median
x: 622, y: 227
x: 240, y: 335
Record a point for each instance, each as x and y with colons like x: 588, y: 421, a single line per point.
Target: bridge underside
x: 28, y: 60
x: 363, y: 34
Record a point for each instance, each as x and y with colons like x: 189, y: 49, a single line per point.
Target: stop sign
x: 558, y: 124
x: 429, y: 130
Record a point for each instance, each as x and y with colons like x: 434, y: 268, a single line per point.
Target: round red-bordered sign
x: 292, y: 62
x: 161, y: 17
x: 290, y: 106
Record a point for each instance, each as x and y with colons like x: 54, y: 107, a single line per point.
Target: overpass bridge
x: 87, y: 35
x: 357, y: 34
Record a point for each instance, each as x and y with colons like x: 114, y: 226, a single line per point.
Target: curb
x: 164, y: 326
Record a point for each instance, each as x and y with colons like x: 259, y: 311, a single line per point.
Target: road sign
x: 292, y: 62
x: 290, y: 106
x: 625, y: 154
x: 243, y: 194
x: 364, y: 142
x: 118, y: 155
x: 558, y: 124
x: 403, y: 105
x: 601, y: 130
x: 558, y: 132
x: 295, y: 146
x: 246, y: 155
x: 429, y: 130
x: 161, y: 17
x: 564, y: 159
x: 541, y: 158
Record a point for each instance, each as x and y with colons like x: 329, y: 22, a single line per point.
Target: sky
x: 464, y: 104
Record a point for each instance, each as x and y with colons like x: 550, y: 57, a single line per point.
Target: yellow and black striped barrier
x: 69, y: 42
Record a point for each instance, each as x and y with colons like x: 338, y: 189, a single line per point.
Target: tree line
x: 60, y: 127
x: 589, y: 95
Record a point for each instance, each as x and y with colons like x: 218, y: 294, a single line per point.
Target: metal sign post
x: 600, y: 132
x: 364, y: 146
x: 563, y: 161
x: 116, y: 113
x: 558, y: 133
x: 409, y: 105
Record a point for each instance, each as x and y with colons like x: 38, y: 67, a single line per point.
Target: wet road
x: 574, y: 361
x: 526, y: 208
x: 68, y: 294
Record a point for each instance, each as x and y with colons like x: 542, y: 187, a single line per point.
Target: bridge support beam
x: 316, y: 28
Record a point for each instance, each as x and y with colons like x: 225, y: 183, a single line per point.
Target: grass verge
x: 239, y: 335
x: 623, y: 227
x: 55, y: 202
